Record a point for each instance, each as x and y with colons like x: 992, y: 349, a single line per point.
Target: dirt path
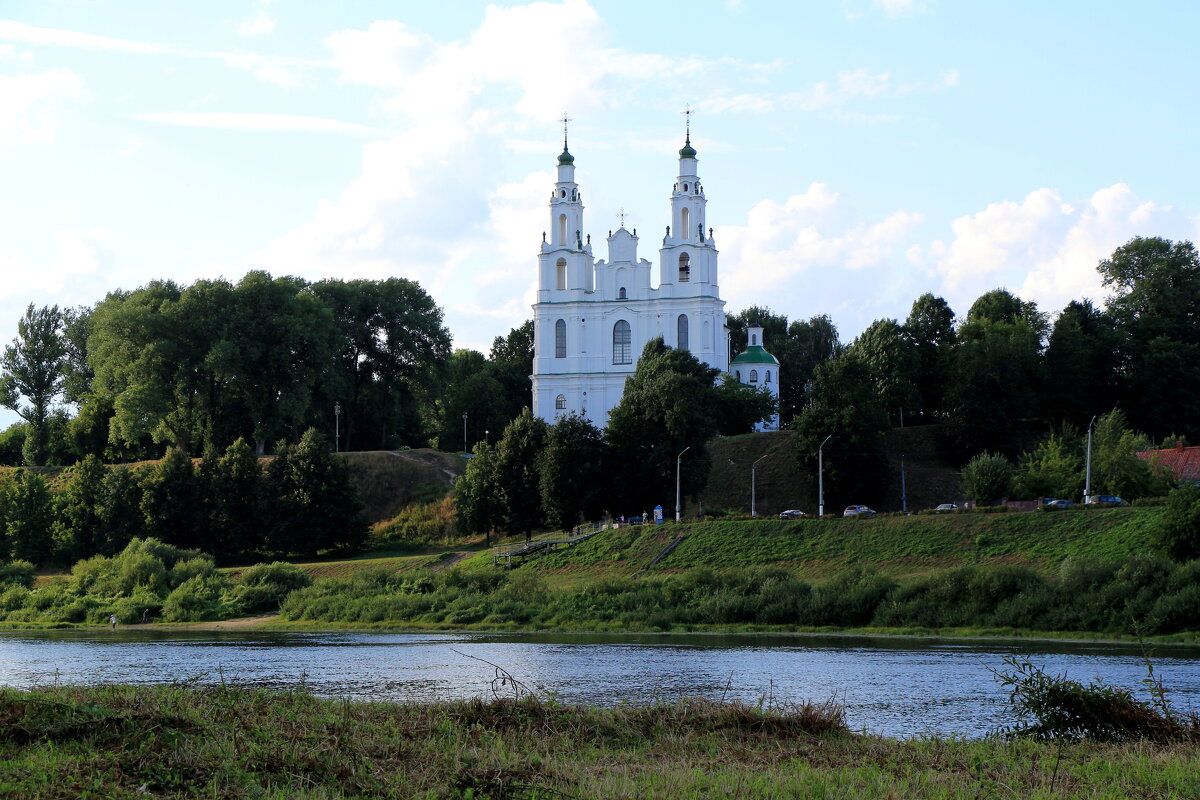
x: 241, y: 623
x: 450, y: 561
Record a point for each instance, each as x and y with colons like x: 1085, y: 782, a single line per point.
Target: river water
x: 897, y: 687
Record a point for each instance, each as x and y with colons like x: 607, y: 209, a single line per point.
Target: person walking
x: 113, y: 619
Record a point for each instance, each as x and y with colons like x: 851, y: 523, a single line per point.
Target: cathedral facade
x: 592, y: 318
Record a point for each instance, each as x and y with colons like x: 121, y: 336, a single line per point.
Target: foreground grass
x: 182, y: 741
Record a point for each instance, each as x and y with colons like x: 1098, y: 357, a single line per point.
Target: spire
x: 566, y: 157
x: 688, y: 151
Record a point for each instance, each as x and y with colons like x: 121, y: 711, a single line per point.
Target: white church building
x: 592, y: 318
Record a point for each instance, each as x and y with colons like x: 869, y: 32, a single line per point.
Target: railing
x: 508, y: 552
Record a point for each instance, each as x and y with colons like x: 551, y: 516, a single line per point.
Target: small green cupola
x: 687, y: 151
x: 566, y: 159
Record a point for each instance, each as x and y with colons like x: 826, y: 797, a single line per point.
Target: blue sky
x: 855, y: 153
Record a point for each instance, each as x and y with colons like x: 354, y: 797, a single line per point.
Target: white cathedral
x: 593, y: 318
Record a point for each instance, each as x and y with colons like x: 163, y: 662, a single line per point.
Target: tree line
x: 231, y: 506
x: 1004, y: 378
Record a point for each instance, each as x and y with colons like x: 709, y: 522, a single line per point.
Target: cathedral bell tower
x: 566, y: 255
x: 688, y: 258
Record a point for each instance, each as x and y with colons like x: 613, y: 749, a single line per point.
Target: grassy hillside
x: 388, y: 481
x: 898, y: 546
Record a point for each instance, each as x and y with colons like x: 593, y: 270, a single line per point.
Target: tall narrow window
x: 562, y: 229
x: 681, y: 332
x: 560, y: 274
x: 685, y: 268
x: 621, y: 294
x: 622, y: 343
x: 685, y: 218
x: 768, y: 380
x: 754, y: 376
x: 560, y: 339
x: 560, y: 402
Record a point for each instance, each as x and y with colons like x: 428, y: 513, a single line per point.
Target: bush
x: 986, y: 478
x: 263, y: 587
x: 195, y: 599
x: 1179, y: 534
x: 17, y: 573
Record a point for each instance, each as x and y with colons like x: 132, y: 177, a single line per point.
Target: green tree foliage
x: 477, y: 493
x: 987, y: 478
x: 236, y: 518
x: 80, y: 526
x: 517, y: 475
x: 28, y: 518
x: 844, y: 406
x: 993, y: 400
x: 1179, y: 535
x: 669, y: 405
x: 1080, y: 366
x: 32, y: 368
x: 313, y: 504
x: 1116, y: 469
x: 511, y: 364
x: 120, y: 512
x: 572, y: 468
x: 471, y: 387
x: 740, y: 407
x: 262, y: 587
x: 930, y: 330
x: 1155, y: 309
x: 1054, y: 468
x: 390, y: 348
x: 173, y: 502
x: 892, y: 365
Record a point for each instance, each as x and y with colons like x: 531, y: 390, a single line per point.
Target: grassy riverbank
x: 180, y: 741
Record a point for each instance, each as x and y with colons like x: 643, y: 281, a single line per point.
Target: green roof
x: 688, y: 151
x: 755, y: 355
x: 566, y: 158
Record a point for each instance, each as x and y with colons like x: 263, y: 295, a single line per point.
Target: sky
x: 855, y: 153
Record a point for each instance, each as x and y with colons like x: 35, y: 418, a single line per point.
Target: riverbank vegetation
x: 223, y: 741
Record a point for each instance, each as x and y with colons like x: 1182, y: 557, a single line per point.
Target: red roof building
x: 1183, y: 462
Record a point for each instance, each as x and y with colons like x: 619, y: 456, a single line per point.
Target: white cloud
x: 1045, y: 249
x: 31, y: 104
x: 261, y: 24
x: 253, y: 122
x: 73, y: 277
x: 385, y: 55
x: 21, y: 32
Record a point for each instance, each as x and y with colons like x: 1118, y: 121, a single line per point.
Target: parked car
x: 1058, y: 503
x: 945, y: 508
x: 858, y: 511
x: 1106, y: 500
x: 792, y: 513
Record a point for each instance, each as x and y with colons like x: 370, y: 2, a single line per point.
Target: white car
x: 792, y: 513
x: 858, y: 511
x: 945, y: 508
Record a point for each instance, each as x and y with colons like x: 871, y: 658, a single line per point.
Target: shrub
x: 987, y: 477
x: 1179, y: 533
x: 17, y: 573
x: 263, y: 587
x: 195, y: 599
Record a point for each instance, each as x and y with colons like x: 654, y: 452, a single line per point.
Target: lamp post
x: 821, y: 477
x: 678, y: 463
x: 1087, y: 475
x: 464, y: 431
x: 753, y: 507
x: 337, y: 427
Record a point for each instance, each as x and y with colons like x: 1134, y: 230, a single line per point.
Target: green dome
x: 688, y: 151
x: 755, y: 355
x: 566, y: 158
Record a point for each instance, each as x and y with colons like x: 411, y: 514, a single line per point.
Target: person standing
x: 113, y: 619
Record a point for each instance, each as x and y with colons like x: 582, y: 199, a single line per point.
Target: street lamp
x: 337, y: 427
x: 678, y: 461
x: 464, y: 431
x: 821, y: 477
x: 753, y: 508
x: 1087, y: 479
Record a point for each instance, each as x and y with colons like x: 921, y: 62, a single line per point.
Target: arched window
x: 685, y: 268
x: 768, y: 380
x: 622, y: 343
x: 754, y: 376
x: 560, y: 402
x: 681, y: 332
x: 560, y: 274
x: 621, y: 294
x: 753, y: 339
x: 738, y: 375
x: 562, y: 229
x: 685, y: 219
x: 560, y: 339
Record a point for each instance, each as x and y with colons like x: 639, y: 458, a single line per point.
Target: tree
x: 572, y: 469
x: 738, y: 407
x: 845, y: 407
x: 892, y: 364
x: 172, y: 503
x: 1116, y: 469
x: 1154, y: 307
x: 1054, y: 468
x: 29, y: 518
x: 511, y: 364
x: 997, y: 374
x: 930, y: 330
x: 1081, y: 366
x: 80, y: 527
x: 32, y: 367
x: 1179, y: 534
x: 236, y: 520
x: 120, y: 512
x: 987, y: 478
x: 477, y: 494
x: 314, y: 506
x: 668, y: 406
x: 517, y: 475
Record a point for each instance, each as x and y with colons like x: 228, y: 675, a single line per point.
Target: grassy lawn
x: 180, y: 741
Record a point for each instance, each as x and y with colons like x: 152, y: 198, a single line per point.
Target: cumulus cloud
x: 32, y: 104
x: 253, y: 122
x: 261, y: 24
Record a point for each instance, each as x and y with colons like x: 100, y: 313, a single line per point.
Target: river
x: 897, y: 687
